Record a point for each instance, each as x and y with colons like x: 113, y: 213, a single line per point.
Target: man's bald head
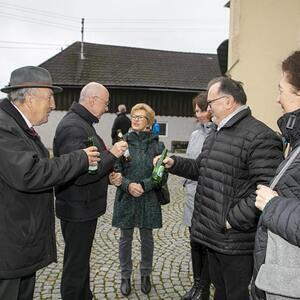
x: 92, y: 89
x: 95, y: 98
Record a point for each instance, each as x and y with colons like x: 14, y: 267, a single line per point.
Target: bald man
x: 80, y: 203
x: 121, y: 122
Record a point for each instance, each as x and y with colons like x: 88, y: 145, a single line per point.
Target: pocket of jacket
x: 279, y: 280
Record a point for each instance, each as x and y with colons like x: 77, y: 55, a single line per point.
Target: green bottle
x: 92, y: 168
x: 159, y: 168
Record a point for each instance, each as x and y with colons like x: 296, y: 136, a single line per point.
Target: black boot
x: 125, y: 286
x: 145, y: 284
x: 190, y: 294
x: 202, y: 293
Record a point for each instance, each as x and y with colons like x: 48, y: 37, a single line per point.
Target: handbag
x: 163, y: 194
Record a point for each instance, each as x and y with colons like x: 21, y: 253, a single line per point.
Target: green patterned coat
x: 143, y: 211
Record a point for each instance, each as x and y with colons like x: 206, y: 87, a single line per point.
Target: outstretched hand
x: 168, y: 161
x: 93, y: 155
x: 119, y: 148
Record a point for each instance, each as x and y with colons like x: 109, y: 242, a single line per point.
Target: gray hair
x: 122, y: 108
x: 20, y: 94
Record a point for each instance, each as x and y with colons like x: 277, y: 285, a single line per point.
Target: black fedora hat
x: 30, y: 77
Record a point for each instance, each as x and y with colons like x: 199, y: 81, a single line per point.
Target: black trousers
x: 199, y: 262
x: 75, y: 281
x: 18, y: 288
x: 230, y: 274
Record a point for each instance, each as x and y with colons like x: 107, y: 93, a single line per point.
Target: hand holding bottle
x: 92, y: 154
x: 168, y: 161
x: 119, y: 148
x: 127, y: 157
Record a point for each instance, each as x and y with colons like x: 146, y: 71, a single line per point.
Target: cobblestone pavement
x: 171, y: 274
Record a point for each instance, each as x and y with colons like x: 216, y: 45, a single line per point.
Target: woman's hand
x: 135, y: 189
x: 263, y: 195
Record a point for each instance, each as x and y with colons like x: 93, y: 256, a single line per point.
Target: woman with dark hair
x: 277, y: 253
x: 200, y: 289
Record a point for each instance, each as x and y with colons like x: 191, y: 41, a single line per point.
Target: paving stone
x: 171, y: 276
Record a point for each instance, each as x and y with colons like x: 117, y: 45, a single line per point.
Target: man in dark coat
x: 239, y: 154
x: 27, y: 177
x: 80, y: 202
x: 121, y: 122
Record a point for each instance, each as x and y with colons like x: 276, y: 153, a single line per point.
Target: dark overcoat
x: 84, y: 198
x: 27, y: 177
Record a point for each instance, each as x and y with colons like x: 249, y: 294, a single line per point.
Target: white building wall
x: 178, y: 128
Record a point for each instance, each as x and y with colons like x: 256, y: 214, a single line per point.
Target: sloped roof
x: 132, y: 67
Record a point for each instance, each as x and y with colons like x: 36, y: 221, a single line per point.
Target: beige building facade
x: 262, y: 34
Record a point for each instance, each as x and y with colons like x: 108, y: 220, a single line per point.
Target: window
x: 163, y: 129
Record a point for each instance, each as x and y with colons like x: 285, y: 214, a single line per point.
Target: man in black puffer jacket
x: 80, y: 202
x: 239, y: 154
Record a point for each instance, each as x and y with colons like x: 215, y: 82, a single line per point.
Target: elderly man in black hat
x: 27, y: 176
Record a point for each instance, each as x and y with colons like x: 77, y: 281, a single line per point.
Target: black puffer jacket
x: 27, y: 177
x: 82, y: 199
x: 281, y: 215
x: 234, y: 160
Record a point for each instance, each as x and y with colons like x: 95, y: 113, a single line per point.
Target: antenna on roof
x: 82, y: 32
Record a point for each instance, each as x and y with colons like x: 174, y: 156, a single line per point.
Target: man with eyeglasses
x: 239, y: 154
x: 80, y: 203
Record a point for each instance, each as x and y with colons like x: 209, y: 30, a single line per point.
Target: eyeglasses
x: 136, y: 117
x: 209, y: 102
x: 106, y: 103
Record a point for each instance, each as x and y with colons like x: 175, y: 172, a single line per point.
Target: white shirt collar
x: 23, y: 116
x: 225, y: 120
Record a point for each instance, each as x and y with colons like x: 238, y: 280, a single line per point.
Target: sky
x: 32, y: 31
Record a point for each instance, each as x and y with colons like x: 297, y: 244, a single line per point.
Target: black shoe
x: 194, y: 291
x: 125, y: 286
x: 145, y: 284
x: 202, y: 293
x: 189, y: 294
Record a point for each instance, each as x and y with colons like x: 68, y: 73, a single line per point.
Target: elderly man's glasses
x: 209, y: 102
x: 106, y: 103
x: 138, y: 118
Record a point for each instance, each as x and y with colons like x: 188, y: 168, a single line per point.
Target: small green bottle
x: 92, y: 168
x: 159, y: 168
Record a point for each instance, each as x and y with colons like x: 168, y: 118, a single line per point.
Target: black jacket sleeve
x: 186, y: 167
x: 24, y: 170
x: 282, y: 216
